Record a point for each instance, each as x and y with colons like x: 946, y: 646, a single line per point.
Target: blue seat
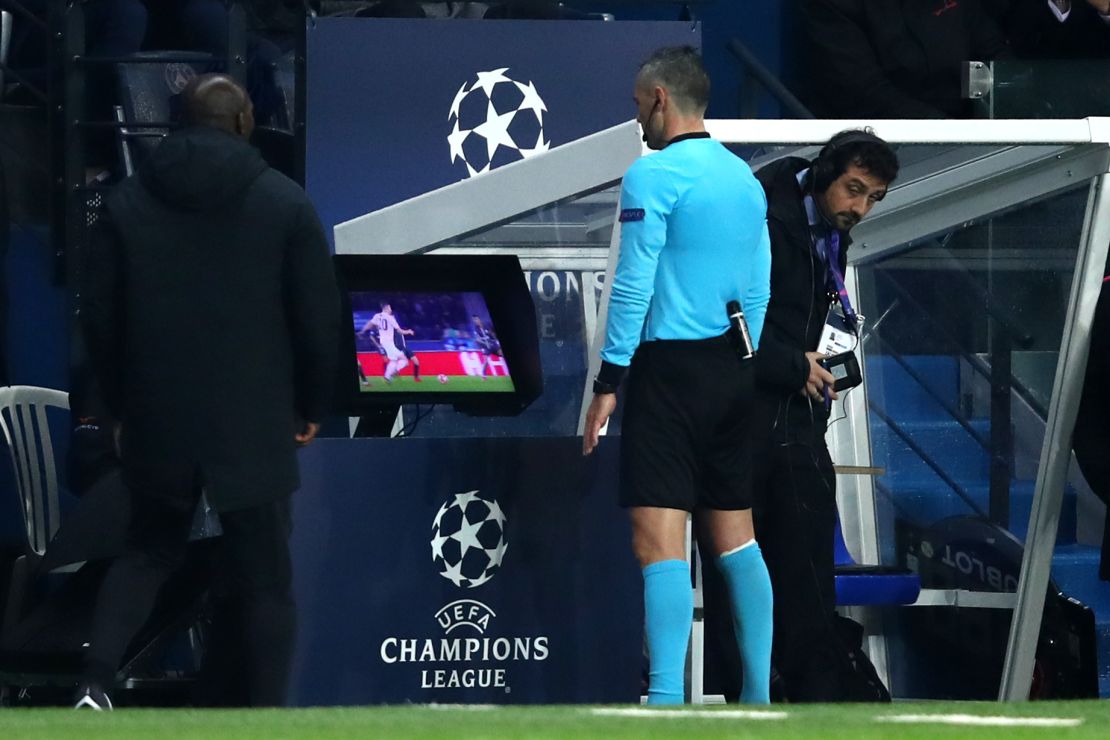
x: 870, y: 585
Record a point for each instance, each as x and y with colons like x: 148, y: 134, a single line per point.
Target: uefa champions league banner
x: 463, y: 570
x: 397, y: 108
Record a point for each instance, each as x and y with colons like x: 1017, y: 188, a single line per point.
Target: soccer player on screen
x: 410, y: 356
x: 487, y: 343
x: 386, y: 324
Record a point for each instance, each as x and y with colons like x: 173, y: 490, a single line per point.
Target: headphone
x: 822, y: 171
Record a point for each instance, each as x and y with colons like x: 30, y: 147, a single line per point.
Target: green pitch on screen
x: 433, y: 384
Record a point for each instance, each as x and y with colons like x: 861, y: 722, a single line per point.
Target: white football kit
x: 386, y: 324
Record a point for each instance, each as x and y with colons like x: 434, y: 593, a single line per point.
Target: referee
x: 693, y: 237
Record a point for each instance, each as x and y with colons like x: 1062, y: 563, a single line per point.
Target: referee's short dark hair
x: 680, y: 71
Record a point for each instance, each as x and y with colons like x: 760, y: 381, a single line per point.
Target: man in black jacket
x: 811, y: 207
x: 1055, y: 29
x: 894, y: 58
x: 212, y: 319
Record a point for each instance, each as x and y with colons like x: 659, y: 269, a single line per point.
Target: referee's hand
x: 601, y: 408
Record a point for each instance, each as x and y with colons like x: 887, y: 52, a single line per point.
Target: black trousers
x: 256, y: 569
x: 795, y: 519
x: 794, y: 512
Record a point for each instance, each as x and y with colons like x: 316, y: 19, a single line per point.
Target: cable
x: 844, y: 400
x: 410, y: 429
x: 844, y: 408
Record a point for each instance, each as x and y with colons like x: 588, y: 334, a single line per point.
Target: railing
x: 756, y: 78
x: 1005, y: 332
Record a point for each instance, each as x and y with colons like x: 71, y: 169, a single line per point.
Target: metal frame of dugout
x: 960, y: 172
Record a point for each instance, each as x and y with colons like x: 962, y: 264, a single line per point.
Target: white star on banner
x: 531, y: 100
x: 474, y: 172
x: 439, y: 517
x: 496, y: 554
x: 495, y: 130
x: 456, y: 139
x: 462, y: 500
x: 495, y: 512
x: 454, y: 573
x: 541, y: 147
x: 437, y: 547
x: 467, y: 537
x: 457, y: 102
x: 486, y: 80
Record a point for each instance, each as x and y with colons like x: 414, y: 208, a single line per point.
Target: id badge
x: 837, y: 335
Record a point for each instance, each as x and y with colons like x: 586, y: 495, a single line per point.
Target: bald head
x: 218, y: 101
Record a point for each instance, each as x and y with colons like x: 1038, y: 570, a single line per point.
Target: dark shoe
x: 91, y: 696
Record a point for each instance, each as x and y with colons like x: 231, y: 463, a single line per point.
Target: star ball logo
x: 495, y: 120
x: 468, y: 539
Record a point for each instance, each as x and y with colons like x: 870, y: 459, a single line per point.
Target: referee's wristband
x: 603, y: 388
x: 609, y: 377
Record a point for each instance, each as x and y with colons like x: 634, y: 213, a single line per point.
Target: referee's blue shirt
x: 693, y: 237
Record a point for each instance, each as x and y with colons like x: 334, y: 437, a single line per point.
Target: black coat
x: 212, y: 316
x: 797, y: 311
x: 1036, y: 33
x: 894, y: 58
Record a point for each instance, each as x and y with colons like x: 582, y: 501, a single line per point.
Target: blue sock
x: 749, y: 588
x: 668, y: 616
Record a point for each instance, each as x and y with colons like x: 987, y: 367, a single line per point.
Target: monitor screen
x: 465, y: 322
x: 427, y: 342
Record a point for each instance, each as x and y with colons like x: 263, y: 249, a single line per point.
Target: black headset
x: 822, y: 171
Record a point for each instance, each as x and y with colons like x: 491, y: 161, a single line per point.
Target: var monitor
x: 450, y: 329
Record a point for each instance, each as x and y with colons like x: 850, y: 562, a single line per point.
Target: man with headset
x: 693, y: 239
x: 811, y: 207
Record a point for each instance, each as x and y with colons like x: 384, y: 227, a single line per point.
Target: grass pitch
x: 431, y: 384
x: 904, y: 721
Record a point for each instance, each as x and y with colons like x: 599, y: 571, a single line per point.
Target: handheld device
x: 845, y: 369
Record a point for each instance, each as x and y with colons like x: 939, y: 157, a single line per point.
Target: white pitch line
x: 462, y: 707
x: 971, y: 719
x: 688, y: 713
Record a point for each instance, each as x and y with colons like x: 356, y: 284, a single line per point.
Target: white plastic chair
x: 23, y: 418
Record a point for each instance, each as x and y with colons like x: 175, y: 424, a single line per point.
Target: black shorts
x: 684, y: 438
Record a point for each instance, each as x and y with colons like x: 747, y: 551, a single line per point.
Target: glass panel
x: 563, y: 248
x: 1070, y: 88
x: 960, y: 361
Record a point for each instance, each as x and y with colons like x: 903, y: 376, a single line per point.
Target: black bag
x: 859, y: 680
x: 839, y: 671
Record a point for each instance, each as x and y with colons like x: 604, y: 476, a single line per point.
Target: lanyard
x: 832, y: 259
x: 829, y: 252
